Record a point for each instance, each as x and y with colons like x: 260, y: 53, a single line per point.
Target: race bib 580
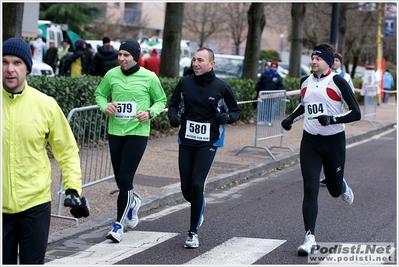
x: 198, y: 131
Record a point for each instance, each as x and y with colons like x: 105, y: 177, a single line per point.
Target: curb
x: 174, y: 195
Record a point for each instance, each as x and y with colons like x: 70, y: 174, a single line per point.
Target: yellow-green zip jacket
x: 30, y: 120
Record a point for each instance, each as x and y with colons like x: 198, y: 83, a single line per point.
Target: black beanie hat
x: 19, y: 48
x: 133, y: 47
x: 339, y: 56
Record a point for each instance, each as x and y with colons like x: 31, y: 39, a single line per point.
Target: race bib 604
x: 315, y: 109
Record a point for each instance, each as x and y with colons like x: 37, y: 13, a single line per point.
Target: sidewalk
x: 157, y: 178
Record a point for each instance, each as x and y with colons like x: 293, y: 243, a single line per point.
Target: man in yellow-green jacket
x: 30, y: 121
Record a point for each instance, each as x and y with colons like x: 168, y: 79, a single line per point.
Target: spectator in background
x: 337, y: 68
x: 38, y: 46
x: 89, y: 54
x: 65, y: 47
x: 141, y: 60
x: 105, y: 59
x: 146, y: 54
x: 51, y: 57
x: 269, y: 80
x: 185, y: 66
x: 76, y: 63
x: 153, y: 63
x: 388, y: 85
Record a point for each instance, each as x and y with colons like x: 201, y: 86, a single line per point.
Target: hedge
x: 72, y: 92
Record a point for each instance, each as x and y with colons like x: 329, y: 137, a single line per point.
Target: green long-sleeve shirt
x: 142, y: 88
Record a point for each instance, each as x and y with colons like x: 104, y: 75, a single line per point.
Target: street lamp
x: 281, y: 46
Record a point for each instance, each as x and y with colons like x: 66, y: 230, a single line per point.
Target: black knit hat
x: 19, y: 48
x: 133, y: 47
x: 339, y: 56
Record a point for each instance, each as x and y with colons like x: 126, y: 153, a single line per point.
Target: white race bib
x: 126, y: 111
x: 198, y: 131
x: 315, y: 109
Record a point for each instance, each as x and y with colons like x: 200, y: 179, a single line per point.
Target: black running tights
x: 126, y: 154
x: 318, y: 151
x: 194, y: 166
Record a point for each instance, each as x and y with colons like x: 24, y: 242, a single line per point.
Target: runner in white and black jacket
x: 323, y: 143
x: 200, y: 106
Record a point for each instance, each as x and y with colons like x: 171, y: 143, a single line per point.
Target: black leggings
x: 317, y: 151
x: 29, y: 231
x: 126, y: 154
x: 194, y: 166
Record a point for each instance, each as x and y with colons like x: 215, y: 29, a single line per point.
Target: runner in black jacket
x: 200, y: 106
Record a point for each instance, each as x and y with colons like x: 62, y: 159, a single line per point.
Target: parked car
x: 40, y: 68
x: 284, y: 66
x: 228, y: 66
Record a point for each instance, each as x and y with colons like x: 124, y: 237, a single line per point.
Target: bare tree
x: 12, y: 20
x: 256, y: 23
x: 342, y: 27
x: 171, y: 40
x: 202, y: 20
x: 236, y: 20
x: 297, y: 14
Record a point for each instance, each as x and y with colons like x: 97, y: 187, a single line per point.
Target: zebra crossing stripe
x: 108, y: 253
x: 237, y: 251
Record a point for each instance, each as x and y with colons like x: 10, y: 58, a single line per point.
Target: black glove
x: 287, y: 124
x: 222, y: 118
x: 79, y: 205
x: 326, y: 120
x: 174, y: 121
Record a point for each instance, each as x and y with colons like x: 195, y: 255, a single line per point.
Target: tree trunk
x: 256, y: 23
x: 172, y: 34
x: 12, y: 20
x: 342, y: 30
x: 297, y: 13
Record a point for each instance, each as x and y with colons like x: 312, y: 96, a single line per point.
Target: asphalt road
x: 258, y: 221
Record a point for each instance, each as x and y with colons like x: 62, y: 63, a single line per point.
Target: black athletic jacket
x: 199, y: 99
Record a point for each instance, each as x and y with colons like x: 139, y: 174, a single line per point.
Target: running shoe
x: 347, y: 195
x: 192, y: 240
x: 116, y: 233
x: 308, y: 246
x: 132, y: 215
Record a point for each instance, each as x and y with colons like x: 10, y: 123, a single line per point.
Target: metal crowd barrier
x: 271, y: 110
x: 370, y: 104
x: 89, y: 126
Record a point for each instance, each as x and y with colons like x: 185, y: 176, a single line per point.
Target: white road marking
x: 108, y: 253
x: 237, y: 251
x: 377, y: 136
